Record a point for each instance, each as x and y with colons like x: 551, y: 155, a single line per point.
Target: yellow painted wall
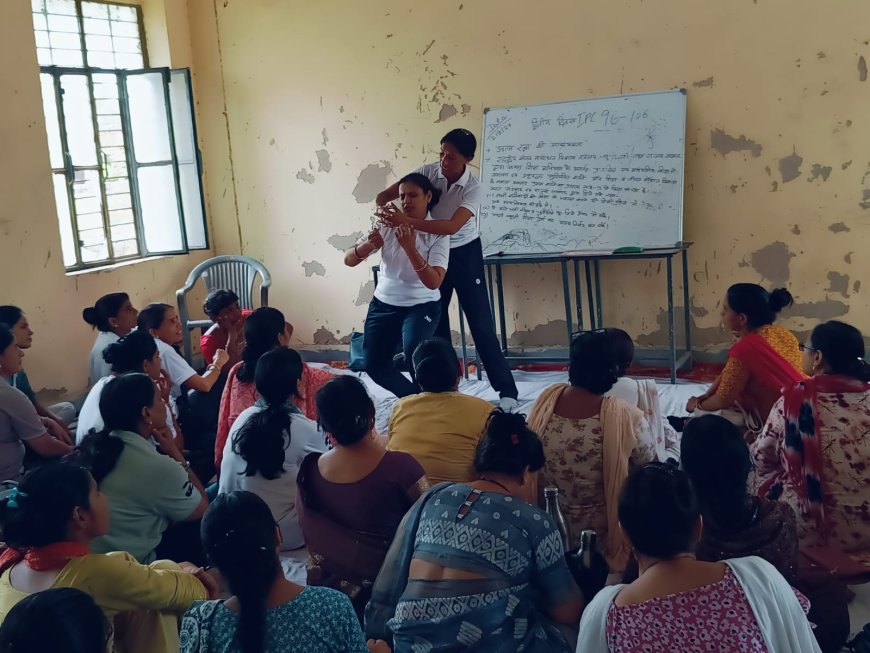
x: 308, y: 108
x: 30, y: 257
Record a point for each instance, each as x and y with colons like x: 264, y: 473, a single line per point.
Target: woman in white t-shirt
x: 135, y: 352
x: 163, y: 323
x: 113, y: 316
x: 269, y: 440
x: 407, y: 304
x: 457, y: 217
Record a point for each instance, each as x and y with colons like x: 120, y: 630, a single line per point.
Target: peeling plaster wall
x: 30, y: 254
x: 308, y: 109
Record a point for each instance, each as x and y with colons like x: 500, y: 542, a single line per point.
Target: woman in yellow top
x: 765, y: 359
x: 48, y: 522
x: 441, y: 427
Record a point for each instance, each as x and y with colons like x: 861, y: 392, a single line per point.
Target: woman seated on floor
x: 765, y: 358
x: 644, y: 394
x: 590, y: 440
x: 682, y: 604
x: 738, y: 524
x: 50, y: 520
x: 490, y: 566
x: 147, y: 491
x: 441, y: 427
x: 353, y: 498
x: 266, y: 612
x: 56, y: 417
x: 113, y: 316
x: 78, y: 625
x: 814, y: 449
x: 269, y: 440
x: 135, y: 352
x: 265, y: 329
x: 19, y: 422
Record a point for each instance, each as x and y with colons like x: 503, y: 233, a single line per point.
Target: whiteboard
x: 584, y: 175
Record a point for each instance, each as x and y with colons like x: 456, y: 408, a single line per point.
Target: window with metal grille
x: 121, y: 137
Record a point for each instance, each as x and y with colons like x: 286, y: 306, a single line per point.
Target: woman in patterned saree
x: 814, y: 449
x: 763, y: 361
x: 474, y: 566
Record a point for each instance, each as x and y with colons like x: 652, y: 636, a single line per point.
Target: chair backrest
x: 236, y: 273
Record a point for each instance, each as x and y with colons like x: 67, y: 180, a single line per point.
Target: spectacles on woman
x: 806, y: 347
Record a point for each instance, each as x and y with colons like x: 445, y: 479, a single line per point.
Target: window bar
x: 132, y: 168
x: 197, y: 152
x: 69, y: 171
x: 176, y: 174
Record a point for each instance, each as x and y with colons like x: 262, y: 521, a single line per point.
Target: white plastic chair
x: 236, y: 273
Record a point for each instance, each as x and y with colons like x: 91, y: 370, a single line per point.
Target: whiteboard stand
x: 677, y: 358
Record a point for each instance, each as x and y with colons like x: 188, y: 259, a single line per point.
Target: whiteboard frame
x: 681, y: 90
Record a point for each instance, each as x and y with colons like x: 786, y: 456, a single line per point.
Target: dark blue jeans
x: 465, y: 275
x: 387, y: 325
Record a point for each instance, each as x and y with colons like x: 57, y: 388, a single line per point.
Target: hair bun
x: 91, y: 316
x: 779, y: 299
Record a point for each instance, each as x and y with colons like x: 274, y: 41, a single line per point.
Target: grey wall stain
x: 838, y: 283
x: 465, y: 109
x: 305, y: 176
x: 323, y: 162
x: 819, y: 170
x: 838, y: 227
x: 865, y: 204
x: 856, y: 287
x: 324, y: 336
x: 790, y: 167
x: 796, y: 230
x: 701, y: 336
x: 371, y: 181
x: 325, y: 137
x: 341, y: 243
x: 551, y: 333
x: 703, y: 83
x: 366, y: 292
x: 345, y: 340
x: 848, y: 258
x: 862, y: 69
x: 827, y: 309
x: 447, y: 112
x: 724, y: 143
x: 314, y: 267
x: 772, y: 262
x: 845, y: 165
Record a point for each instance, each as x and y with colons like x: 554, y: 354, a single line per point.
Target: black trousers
x: 465, y: 275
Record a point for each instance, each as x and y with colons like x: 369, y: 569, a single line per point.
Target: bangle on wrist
x: 421, y: 268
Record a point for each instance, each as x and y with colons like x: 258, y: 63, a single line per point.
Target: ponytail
x: 106, y: 307
x: 260, y: 441
x: 262, y: 328
x: 509, y: 446
x: 239, y: 535
x: 99, y: 453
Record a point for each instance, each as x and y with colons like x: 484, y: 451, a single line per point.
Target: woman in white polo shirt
x: 407, y: 305
x: 456, y: 217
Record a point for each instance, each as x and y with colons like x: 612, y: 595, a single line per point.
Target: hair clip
x: 14, y: 495
x: 515, y: 439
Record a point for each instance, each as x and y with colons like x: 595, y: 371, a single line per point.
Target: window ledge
x: 121, y: 264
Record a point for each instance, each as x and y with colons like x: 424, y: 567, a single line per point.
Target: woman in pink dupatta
x: 265, y: 329
x: 814, y: 449
x: 764, y: 360
x: 590, y: 441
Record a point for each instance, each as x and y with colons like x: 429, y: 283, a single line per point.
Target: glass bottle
x: 551, y: 506
x: 588, y: 565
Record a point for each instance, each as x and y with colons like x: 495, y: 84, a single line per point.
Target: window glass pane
x: 118, y: 169
x: 97, y: 42
x: 71, y: 58
x: 89, y: 216
x: 39, y: 22
x: 67, y: 242
x: 123, y: 13
x: 117, y: 186
x: 95, y: 9
x: 58, y: 23
x: 52, y: 122
x: 37, y: 5
x: 107, y: 107
x: 43, y: 56
x: 129, y: 61
x: 67, y: 7
x: 97, y: 26
x: 101, y: 59
x: 125, y: 248
x: 123, y: 232
x: 122, y: 44
x: 64, y: 41
x: 191, y: 201
x: 42, y: 40
x: 160, y: 220
x: 148, y: 117
x: 119, y: 202
x: 130, y: 30
x: 78, y: 118
x: 122, y: 216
